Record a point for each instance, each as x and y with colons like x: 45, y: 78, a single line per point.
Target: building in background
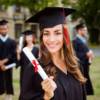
x: 16, y: 16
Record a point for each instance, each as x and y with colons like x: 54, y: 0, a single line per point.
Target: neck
x: 3, y: 35
x: 79, y: 34
x: 59, y: 61
x: 56, y: 57
x: 30, y: 45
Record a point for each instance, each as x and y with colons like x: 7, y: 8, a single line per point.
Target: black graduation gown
x: 7, y: 50
x: 81, y: 49
x: 68, y: 88
x: 24, y: 61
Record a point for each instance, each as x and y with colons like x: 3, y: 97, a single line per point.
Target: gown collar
x: 3, y: 38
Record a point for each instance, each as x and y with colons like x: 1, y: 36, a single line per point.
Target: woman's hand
x: 90, y: 56
x: 2, y: 62
x: 3, y: 68
x: 49, y: 87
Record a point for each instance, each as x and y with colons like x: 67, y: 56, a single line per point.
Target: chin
x: 53, y: 51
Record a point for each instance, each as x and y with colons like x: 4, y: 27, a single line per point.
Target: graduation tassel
x: 66, y: 34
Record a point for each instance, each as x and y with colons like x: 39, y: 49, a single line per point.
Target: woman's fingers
x: 3, y: 68
x: 49, y: 84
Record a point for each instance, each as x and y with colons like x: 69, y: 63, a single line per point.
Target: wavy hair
x: 70, y: 58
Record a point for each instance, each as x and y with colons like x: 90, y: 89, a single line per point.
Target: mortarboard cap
x: 27, y: 32
x: 3, y: 22
x: 51, y: 16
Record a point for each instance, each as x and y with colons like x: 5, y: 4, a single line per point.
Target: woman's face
x: 53, y: 38
x: 29, y: 38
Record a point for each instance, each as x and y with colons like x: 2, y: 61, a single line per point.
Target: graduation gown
x: 68, y: 88
x: 24, y: 61
x: 7, y: 50
x: 81, y: 49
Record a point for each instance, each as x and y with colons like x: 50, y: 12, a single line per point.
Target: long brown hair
x: 70, y: 60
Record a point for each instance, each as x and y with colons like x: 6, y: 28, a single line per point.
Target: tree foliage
x: 33, y: 5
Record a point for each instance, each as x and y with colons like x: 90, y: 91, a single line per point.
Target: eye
x: 58, y: 33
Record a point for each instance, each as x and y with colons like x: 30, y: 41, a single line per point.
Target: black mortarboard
x: 27, y: 32
x: 51, y: 16
x: 3, y: 22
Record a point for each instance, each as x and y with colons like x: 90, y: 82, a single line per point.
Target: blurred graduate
x: 7, y: 56
x: 84, y: 54
x: 28, y: 41
x: 57, y: 58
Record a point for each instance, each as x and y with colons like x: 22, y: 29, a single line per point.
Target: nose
x: 52, y: 38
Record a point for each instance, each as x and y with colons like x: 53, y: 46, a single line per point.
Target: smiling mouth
x: 52, y: 45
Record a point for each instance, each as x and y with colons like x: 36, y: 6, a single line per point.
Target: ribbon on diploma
x: 35, y: 63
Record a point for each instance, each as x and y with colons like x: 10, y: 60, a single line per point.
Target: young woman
x: 29, y: 41
x: 58, y: 60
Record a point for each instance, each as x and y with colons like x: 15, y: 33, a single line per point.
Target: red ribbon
x: 66, y: 34
x: 35, y: 64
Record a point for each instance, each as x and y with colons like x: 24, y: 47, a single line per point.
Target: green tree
x: 33, y: 5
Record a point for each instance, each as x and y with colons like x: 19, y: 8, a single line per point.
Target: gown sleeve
x: 12, y: 57
x: 84, y: 92
x: 22, y: 60
x: 31, y: 87
x: 81, y: 49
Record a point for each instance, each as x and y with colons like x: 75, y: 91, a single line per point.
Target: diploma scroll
x: 21, y: 42
x: 35, y: 63
x: 10, y: 66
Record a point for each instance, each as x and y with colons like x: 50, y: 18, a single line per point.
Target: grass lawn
x: 95, y: 76
x: 94, y: 72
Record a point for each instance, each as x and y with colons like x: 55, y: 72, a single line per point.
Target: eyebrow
x: 54, y: 31
x: 57, y: 30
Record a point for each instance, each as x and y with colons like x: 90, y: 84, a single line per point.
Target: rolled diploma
x: 21, y: 42
x: 10, y: 66
x: 31, y: 57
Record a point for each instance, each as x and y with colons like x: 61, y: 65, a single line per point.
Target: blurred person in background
x: 29, y: 40
x: 84, y: 54
x: 7, y: 56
